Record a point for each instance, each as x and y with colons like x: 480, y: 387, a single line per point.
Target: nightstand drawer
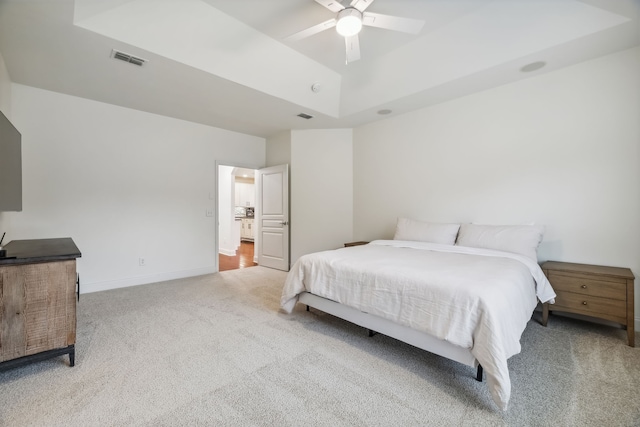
x: 582, y: 285
x: 610, y: 309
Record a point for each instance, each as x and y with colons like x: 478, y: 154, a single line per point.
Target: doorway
x: 236, y: 208
x: 242, y: 259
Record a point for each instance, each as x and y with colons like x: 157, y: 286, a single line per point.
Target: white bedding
x: 475, y: 298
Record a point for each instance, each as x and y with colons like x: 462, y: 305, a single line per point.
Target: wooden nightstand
x: 592, y: 290
x: 346, y: 245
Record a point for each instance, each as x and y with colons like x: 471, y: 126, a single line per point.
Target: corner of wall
x: 5, y: 89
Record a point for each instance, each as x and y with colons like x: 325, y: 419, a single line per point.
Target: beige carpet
x: 215, y: 350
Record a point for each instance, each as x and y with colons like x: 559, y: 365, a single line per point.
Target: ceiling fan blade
x: 311, y: 30
x: 332, y: 5
x: 396, y: 23
x: 361, y: 5
x: 352, y: 44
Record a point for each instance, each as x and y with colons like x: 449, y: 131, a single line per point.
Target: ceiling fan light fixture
x: 349, y: 22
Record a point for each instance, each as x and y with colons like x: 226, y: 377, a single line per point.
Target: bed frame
x: 386, y: 327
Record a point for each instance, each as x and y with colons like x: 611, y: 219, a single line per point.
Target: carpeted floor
x: 215, y: 350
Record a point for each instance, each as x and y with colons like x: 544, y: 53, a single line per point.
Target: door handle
x: 285, y: 223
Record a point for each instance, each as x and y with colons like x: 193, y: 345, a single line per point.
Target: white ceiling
x: 224, y: 62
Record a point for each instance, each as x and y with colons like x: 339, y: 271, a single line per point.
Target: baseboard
x: 86, y: 288
x: 227, y: 252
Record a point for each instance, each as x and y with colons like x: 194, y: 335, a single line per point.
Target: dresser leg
x: 72, y: 356
x: 631, y: 331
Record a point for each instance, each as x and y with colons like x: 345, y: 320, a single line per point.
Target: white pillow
x: 519, y: 239
x: 420, y: 231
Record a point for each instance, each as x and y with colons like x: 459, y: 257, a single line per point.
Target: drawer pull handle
x: 584, y: 303
x: 584, y: 286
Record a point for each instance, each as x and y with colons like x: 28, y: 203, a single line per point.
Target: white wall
x: 279, y: 149
x: 123, y: 184
x: 226, y: 217
x: 321, y: 190
x: 5, y: 107
x: 5, y: 89
x: 561, y: 149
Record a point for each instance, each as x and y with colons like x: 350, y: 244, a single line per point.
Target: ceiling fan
x: 349, y: 21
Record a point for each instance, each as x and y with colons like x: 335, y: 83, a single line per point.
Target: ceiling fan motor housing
x: 349, y: 22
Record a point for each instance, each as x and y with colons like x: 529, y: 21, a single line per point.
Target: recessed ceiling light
x: 533, y: 66
x: 384, y: 112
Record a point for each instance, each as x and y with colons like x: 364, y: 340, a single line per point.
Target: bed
x: 450, y: 289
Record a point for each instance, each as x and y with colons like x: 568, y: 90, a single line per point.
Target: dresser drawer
x: 611, y: 309
x: 588, y: 286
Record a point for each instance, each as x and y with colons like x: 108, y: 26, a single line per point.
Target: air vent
x: 305, y: 116
x: 115, y: 54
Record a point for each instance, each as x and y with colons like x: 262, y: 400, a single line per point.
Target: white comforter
x: 477, y: 299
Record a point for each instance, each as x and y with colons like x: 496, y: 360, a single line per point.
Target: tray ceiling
x: 224, y: 63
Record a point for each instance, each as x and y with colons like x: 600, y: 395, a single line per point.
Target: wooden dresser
x: 37, y: 301
x: 592, y: 290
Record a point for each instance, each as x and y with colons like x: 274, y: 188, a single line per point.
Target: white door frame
x: 216, y: 214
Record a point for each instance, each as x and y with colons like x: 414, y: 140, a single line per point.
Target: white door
x: 273, y: 216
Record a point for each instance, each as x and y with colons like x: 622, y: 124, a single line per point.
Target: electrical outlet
x: 142, y: 262
x: 209, y: 212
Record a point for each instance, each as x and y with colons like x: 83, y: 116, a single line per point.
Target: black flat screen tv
x: 10, y: 166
